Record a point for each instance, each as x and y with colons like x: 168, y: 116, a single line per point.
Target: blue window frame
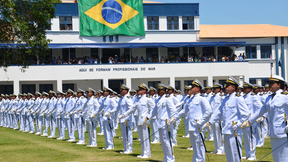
x: 251, y: 52
x: 28, y: 88
x: 45, y: 87
x: 153, y: 23
x: 263, y: 81
x: 6, y: 89
x: 177, y: 85
x: 172, y: 23
x: 65, y: 87
x: 188, y: 23
x: 153, y: 84
x: 173, y: 53
x: 65, y: 22
x: 266, y: 51
x: 188, y: 82
x: 151, y: 53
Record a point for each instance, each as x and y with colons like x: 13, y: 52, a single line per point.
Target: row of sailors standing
x: 162, y: 111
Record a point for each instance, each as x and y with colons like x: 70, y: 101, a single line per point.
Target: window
x: 172, y: 23
x: 191, y: 51
x: 252, y: 81
x: 177, y: 85
x: 265, y: 51
x: 65, y: 23
x: 152, y: 54
x: 173, y: 53
x: 153, y: 84
x: 263, y: 81
x: 6, y: 89
x: 94, y: 52
x: 188, y: 82
x: 204, y: 83
x: 153, y: 23
x: 49, y: 26
x: 188, y: 23
x: 207, y: 51
x: 45, y: 87
x: 28, y: 88
x: 65, y: 87
x: 222, y: 82
x: 68, y: 51
x: 251, y: 52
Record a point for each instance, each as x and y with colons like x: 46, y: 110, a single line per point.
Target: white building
x: 171, y: 30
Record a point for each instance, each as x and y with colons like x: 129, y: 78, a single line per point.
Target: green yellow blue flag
x: 111, y: 17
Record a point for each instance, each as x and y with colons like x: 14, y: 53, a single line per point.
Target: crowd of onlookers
x: 141, y: 59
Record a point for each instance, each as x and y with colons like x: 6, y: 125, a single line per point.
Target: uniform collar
x: 279, y: 91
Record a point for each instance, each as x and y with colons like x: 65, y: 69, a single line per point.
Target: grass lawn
x: 19, y: 146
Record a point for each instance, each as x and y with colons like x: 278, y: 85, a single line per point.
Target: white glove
x: 146, y: 121
x: 260, y: 119
x: 206, y: 125
x: 286, y: 128
x: 198, y: 124
x: 245, y: 124
x: 121, y: 116
x: 107, y: 114
x: 235, y: 127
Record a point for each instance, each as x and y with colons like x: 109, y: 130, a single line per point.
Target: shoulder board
x: 238, y: 95
x: 265, y: 93
x: 167, y: 96
x: 253, y: 94
x: 111, y: 96
x: 128, y: 96
x: 33, y: 98
x: 221, y: 95
x: 95, y: 97
x: 174, y: 95
x: 261, y: 94
x: 285, y: 93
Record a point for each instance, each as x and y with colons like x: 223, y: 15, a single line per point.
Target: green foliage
x: 23, y: 23
x: 19, y: 146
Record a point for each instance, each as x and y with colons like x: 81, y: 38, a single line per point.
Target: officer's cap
x: 107, y: 89
x: 208, y: 87
x: 137, y: 89
x: 91, y: 90
x: 59, y: 92
x: 52, y: 92
x: 11, y: 95
x: 2, y: 95
x: 30, y: 94
x: 132, y: 91
x: 70, y: 91
x: 45, y: 93
x: 188, y: 87
x: 232, y: 80
x: 24, y: 95
x: 143, y: 86
x: 247, y: 85
x: 152, y: 89
x: 38, y: 93
x: 100, y: 91
x: 80, y: 91
x: 162, y: 86
x: 178, y: 91
x: 217, y: 85
x: 171, y: 88
x: 197, y: 83
x: 276, y: 78
x: 114, y: 92
x: 255, y: 86
x: 124, y: 87
x: 75, y: 93
x: 266, y: 85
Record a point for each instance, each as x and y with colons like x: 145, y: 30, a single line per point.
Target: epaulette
x: 174, y: 95
x: 128, y: 96
x: 252, y: 94
x: 82, y: 97
x: 167, y: 96
x: 261, y: 94
x: 111, y: 96
x: 245, y: 94
x: 95, y: 97
x: 265, y: 93
x: 221, y: 95
x: 285, y: 93
x: 238, y: 95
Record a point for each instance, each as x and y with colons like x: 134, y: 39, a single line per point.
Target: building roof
x: 242, y: 31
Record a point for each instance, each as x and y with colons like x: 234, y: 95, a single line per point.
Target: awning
x: 137, y: 45
x: 148, y: 45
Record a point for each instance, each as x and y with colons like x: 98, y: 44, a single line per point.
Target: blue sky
x: 240, y: 11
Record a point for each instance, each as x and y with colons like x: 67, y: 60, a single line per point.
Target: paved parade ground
x: 19, y: 146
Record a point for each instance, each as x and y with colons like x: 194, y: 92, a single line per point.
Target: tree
x: 22, y: 31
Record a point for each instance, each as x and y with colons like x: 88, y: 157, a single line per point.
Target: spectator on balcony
x: 162, y: 59
x: 214, y: 59
x: 155, y: 59
x: 59, y: 61
x: 240, y: 57
x: 236, y: 58
x: 116, y: 59
x: 110, y: 60
x: 223, y: 58
x: 142, y: 60
x: 54, y: 61
x: 196, y: 59
x: 150, y: 59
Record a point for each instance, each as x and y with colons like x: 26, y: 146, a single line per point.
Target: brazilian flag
x: 111, y: 17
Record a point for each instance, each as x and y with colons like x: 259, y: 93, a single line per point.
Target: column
x: 258, y: 51
x: 182, y: 86
x: 16, y: 87
x: 106, y: 82
x: 129, y: 83
x: 241, y: 80
x: 159, y: 54
x: 172, y: 81
x: 37, y: 87
x: 180, y: 23
x: 59, y: 85
x: 259, y: 81
x: 210, y: 80
x: 216, y: 53
x: 246, y: 78
x: 100, y: 55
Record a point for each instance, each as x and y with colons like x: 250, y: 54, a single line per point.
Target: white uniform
x: 153, y: 123
x: 198, y: 109
x: 276, y: 107
x: 233, y: 108
x: 43, y: 110
x: 164, y: 110
x: 59, y: 117
x: 79, y: 118
x: 92, y: 108
x: 126, y: 103
x: 51, y: 121
x: 68, y: 106
x: 143, y: 104
x: 29, y: 118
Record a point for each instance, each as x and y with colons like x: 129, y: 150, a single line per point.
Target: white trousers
x: 218, y: 142
x: 230, y: 146
x: 198, y: 146
x: 260, y: 133
x: 127, y: 136
x: 250, y: 152
x: 108, y: 133
x: 39, y: 124
x: 61, y: 130
x: 22, y: 122
x: 279, y: 155
x: 186, y: 124
x: 155, y: 133
x: 166, y: 144
x: 52, y: 126
x: 91, y: 125
x: 70, y: 128
x: 81, y: 129
x: 145, y: 144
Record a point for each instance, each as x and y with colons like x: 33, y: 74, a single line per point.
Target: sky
x: 274, y: 12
